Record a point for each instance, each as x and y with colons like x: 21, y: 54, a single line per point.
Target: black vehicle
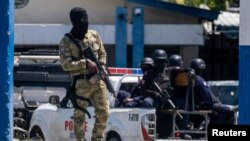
x: 37, y: 76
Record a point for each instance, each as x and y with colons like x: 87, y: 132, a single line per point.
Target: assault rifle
x: 166, y: 98
x: 88, y: 53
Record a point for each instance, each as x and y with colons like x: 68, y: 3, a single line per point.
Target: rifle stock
x: 72, y: 96
x: 88, y: 53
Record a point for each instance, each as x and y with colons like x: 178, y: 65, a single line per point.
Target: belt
x: 83, y: 76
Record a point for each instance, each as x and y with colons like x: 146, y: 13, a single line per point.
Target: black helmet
x: 147, y: 61
x: 160, y: 54
x: 175, y: 60
x: 198, y: 64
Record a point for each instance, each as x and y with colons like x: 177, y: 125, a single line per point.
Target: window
x: 128, y: 87
x: 21, y: 3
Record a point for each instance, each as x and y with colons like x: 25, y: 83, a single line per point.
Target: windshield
x: 227, y: 94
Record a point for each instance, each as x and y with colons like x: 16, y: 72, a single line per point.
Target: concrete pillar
x: 138, y: 36
x: 121, y: 37
x: 244, y: 63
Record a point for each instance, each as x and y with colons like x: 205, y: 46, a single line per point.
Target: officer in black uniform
x: 159, y: 75
x: 147, y: 64
x: 137, y: 98
x: 180, y: 81
x: 205, y: 99
x: 175, y: 68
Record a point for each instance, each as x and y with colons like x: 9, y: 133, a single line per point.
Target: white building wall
x: 44, y: 22
x: 99, y: 11
x: 167, y: 34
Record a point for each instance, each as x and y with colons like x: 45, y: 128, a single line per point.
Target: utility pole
x: 6, y: 69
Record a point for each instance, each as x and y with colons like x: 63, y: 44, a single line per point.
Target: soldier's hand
x: 91, y: 66
x: 127, y: 100
x: 102, y: 63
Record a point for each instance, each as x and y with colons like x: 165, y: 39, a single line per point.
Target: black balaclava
x: 159, y: 65
x: 146, y: 67
x: 79, y: 19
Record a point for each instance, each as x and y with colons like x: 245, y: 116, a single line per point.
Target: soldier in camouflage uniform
x: 83, y: 70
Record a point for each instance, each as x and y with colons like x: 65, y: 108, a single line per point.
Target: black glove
x: 154, y: 94
x: 157, y: 96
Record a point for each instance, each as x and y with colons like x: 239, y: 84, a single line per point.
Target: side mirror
x: 54, y: 99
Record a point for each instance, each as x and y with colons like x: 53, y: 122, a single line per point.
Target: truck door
x: 63, y: 127
x: 64, y: 124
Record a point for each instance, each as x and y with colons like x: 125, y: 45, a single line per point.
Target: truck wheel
x: 114, y: 138
x: 36, y: 134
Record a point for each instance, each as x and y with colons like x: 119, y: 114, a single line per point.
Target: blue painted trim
x: 201, y: 13
x: 6, y: 69
x: 121, y: 37
x: 138, y: 36
x: 244, y: 77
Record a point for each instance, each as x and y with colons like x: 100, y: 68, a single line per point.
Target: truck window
x: 128, y: 86
x: 227, y: 94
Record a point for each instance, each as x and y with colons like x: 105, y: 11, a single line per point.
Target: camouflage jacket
x: 70, y: 57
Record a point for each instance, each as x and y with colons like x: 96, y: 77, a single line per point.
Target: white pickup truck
x: 51, y: 122
x: 39, y: 77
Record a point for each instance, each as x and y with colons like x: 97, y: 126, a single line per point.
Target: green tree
x: 213, y: 4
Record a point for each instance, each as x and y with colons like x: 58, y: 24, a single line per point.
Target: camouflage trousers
x: 97, y: 93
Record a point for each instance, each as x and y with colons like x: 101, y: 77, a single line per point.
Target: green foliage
x: 213, y: 4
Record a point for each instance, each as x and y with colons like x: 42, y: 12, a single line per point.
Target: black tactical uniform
x: 137, y: 98
x: 205, y: 99
x: 179, y: 78
x: 158, y: 75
